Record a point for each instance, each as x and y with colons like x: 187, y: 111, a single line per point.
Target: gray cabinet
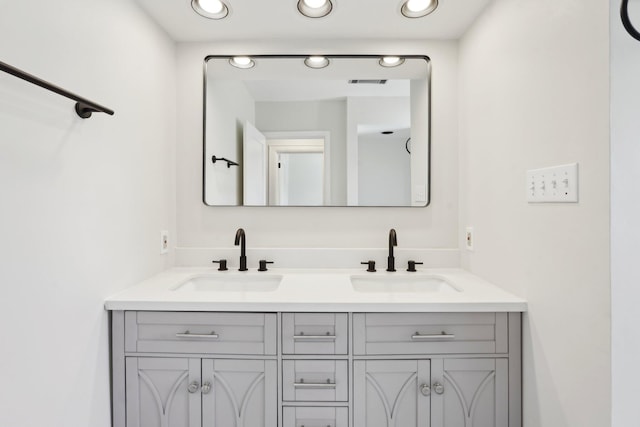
x: 391, y: 393
x: 472, y: 392
x: 243, y: 393
x: 434, y: 392
x: 463, y: 370
x: 211, y: 369
x: 158, y: 393
x: 191, y: 392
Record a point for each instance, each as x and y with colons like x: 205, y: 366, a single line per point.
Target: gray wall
x: 625, y: 211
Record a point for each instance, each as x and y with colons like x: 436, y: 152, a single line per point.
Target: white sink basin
x: 402, y: 283
x: 230, y: 282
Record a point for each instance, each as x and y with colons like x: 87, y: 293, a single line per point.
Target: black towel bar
x: 84, y: 107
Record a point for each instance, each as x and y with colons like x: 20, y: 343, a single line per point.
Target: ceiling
x: 279, y: 19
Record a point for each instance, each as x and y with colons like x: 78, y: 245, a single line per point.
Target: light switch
x: 419, y: 193
x: 557, y: 184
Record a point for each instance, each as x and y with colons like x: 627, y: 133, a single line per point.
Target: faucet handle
x: 412, y: 265
x: 223, y: 264
x: 263, y: 264
x: 371, y: 266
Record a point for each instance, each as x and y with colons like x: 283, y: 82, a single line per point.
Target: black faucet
x: 241, y: 239
x: 393, y: 241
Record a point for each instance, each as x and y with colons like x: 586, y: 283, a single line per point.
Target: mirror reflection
x: 316, y: 131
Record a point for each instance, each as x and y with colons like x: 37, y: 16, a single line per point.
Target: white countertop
x: 315, y: 290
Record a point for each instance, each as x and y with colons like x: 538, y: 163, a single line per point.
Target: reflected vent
x: 367, y: 82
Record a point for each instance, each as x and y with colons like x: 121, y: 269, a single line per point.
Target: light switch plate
x: 557, y: 184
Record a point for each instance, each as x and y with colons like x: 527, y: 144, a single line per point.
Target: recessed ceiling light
x: 242, y: 62
x: 391, y: 61
x: 315, y: 8
x: 212, y: 9
x: 316, y: 61
x: 418, y: 8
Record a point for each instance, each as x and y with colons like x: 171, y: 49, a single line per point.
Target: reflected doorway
x: 297, y: 172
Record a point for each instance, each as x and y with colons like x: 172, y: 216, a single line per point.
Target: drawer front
x: 196, y: 332
x: 303, y: 416
x: 429, y: 333
x: 315, y: 381
x: 314, y: 333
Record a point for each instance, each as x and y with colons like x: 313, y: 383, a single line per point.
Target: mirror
x: 316, y: 131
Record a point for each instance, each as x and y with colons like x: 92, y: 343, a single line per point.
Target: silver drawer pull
x: 442, y: 336
x: 325, y: 337
x: 187, y: 334
x: 303, y: 384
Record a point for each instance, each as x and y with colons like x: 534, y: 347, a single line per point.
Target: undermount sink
x: 402, y: 283
x: 230, y: 282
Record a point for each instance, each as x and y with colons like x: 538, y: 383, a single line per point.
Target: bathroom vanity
x: 319, y: 349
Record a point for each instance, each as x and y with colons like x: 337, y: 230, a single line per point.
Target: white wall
x: 384, y: 170
x: 625, y: 211
x: 431, y: 227
x: 229, y: 106
x: 82, y: 201
x: 534, y: 92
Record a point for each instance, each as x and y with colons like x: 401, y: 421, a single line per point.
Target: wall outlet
x: 469, y: 238
x: 164, y: 242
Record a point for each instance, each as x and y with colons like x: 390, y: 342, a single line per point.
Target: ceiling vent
x: 367, y: 82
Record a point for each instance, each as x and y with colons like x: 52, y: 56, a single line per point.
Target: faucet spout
x: 393, y: 241
x: 241, y: 239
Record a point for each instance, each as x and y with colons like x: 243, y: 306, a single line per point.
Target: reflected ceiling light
x: 212, y: 9
x: 315, y: 8
x: 391, y: 61
x: 316, y: 61
x: 242, y: 62
x: 418, y: 8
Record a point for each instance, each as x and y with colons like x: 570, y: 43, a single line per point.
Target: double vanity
x: 198, y: 347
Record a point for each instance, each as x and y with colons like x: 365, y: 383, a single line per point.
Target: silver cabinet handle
x: 206, y: 388
x: 187, y: 334
x: 193, y: 387
x: 438, y: 388
x: 425, y: 389
x: 426, y: 337
x: 326, y: 337
x: 302, y: 384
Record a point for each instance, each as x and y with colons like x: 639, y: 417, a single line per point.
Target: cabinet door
x: 474, y: 393
x: 391, y: 393
x: 158, y: 392
x: 242, y: 393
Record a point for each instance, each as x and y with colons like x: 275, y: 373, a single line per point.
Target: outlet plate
x: 469, y: 238
x: 164, y: 242
x: 557, y: 184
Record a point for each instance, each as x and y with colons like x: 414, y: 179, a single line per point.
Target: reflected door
x: 254, y: 166
x: 297, y: 172
x: 300, y: 179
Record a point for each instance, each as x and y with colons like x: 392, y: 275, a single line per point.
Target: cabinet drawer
x: 212, y: 333
x: 429, y: 333
x: 303, y: 416
x: 315, y: 381
x: 314, y: 333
